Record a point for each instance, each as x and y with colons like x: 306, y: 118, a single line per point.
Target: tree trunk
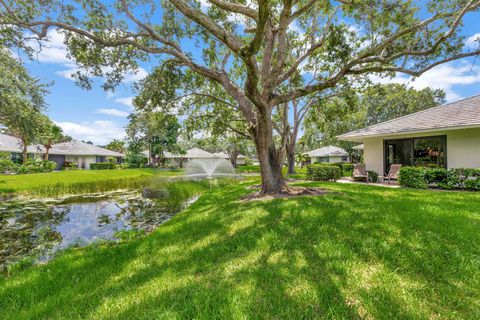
x: 270, y: 158
x: 291, y: 159
x: 47, y: 150
x: 24, y: 153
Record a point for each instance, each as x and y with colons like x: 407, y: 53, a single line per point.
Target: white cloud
x: 128, y: 101
x: 446, y: 77
x: 473, y: 41
x: 51, y: 51
x: 134, y: 76
x: 129, y: 77
x: 99, y: 132
x: 113, y: 112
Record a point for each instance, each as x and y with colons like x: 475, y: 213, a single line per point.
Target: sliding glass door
x: 420, y: 152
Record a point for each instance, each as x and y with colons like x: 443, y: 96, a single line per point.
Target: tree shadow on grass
x: 295, y: 258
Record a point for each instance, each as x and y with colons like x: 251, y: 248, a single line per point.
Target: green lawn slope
x: 357, y: 252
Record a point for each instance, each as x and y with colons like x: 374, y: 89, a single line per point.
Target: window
x: 420, y: 152
x: 429, y: 152
x: 344, y: 159
x: 322, y: 159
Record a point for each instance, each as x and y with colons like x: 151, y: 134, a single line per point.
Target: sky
x: 99, y: 116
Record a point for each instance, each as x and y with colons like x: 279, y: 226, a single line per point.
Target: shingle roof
x: 223, y: 155
x: 79, y: 148
x: 327, y: 151
x: 12, y: 144
x: 463, y: 113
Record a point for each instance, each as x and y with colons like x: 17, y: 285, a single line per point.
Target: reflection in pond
x: 37, y: 229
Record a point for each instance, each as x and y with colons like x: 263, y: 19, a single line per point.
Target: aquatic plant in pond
x: 37, y: 229
x: 208, y: 168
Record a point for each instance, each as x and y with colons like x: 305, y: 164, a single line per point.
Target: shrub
x: 413, y: 177
x: 112, y: 160
x: 372, y: 176
x: 437, y: 175
x: 461, y: 179
x: 8, y: 166
x: 67, y: 165
x: 102, y: 166
x: 316, y: 172
x: 36, y: 166
x: 5, y: 156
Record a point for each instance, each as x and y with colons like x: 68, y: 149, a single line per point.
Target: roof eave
x: 360, y: 138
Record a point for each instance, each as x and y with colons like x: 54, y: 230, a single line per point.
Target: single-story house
x: 446, y: 136
x: 241, y: 159
x: 12, y: 145
x: 197, y: 153
x: 329, y: 154
x: 81, y: 153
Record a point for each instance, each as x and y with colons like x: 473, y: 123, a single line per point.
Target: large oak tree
x: 327, y: 42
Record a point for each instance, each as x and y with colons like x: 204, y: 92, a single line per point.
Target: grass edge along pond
x: 357, y: 252
x: 79, y: 181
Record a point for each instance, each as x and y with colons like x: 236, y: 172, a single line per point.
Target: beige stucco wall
x: 82, y: 161
x: 331, y: 159
x: 463, y: 148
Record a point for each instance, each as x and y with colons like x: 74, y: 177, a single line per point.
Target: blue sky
x: 99, y: 116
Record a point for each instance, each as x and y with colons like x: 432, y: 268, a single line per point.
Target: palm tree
x: 52, y: 134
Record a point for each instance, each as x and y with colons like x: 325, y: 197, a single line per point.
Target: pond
x: 37, y: 229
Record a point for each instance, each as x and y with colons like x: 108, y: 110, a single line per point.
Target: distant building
x: 330, y: 154
x: 83, y: 154
x: 197, y: 153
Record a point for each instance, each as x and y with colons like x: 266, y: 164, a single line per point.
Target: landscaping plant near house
x: 102, y: 166
x: 448, y: 179
x: 320, y: 172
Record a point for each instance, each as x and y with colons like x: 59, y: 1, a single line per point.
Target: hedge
x: 451, y: 179
x: 346, y: 168
x: 316, y: 172
x: 102, y: 166
x: 413, y: 177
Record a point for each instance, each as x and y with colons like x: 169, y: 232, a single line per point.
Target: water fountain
x: 209, y: 168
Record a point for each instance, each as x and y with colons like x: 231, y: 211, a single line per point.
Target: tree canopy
x: 250, y: 50
x: 376, y: 104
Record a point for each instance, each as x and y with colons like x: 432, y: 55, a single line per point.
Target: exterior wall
x: 240, y: 162
x: 331, y: 159
x: 463, y: 148
x: 82, y: 161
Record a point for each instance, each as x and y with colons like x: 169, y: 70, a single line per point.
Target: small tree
x: 49, y: 134
x: 116, y: 145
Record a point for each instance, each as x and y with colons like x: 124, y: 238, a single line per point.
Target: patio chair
x: 393, y: 172
x: 360, y: 172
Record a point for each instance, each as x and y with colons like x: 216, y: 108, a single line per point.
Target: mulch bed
x: 292, y: 192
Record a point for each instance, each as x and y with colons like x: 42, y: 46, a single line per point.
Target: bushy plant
x: 112, y: 160
x: 36, y: 166
x: 316, y: 172
x: 413, y: 177
x: 68, y: 165
x: 461, y: 179
x: 372, y: 176
x: 5, y: 156
x: 436, y: 175
x: 8, y: 166
x: 102, y: 166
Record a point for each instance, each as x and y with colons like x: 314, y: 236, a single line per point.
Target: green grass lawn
x: 56, y: 182
x: 357, y: 252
